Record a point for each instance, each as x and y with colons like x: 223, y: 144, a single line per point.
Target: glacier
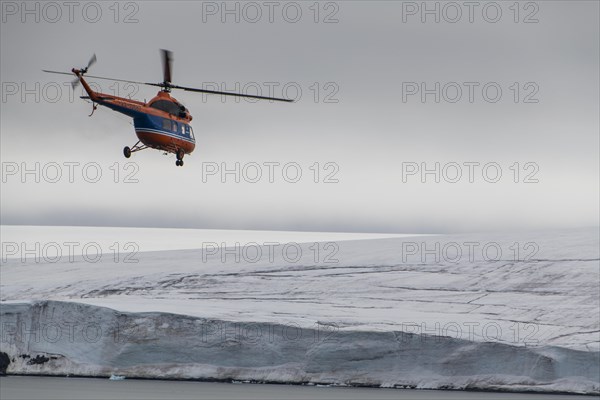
x: 487, y: 311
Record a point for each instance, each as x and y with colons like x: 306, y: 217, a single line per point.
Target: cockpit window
x: 168, y: 106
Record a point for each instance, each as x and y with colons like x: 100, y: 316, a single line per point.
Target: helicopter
x: 163, y: 123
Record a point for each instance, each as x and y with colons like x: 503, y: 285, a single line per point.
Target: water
x: 33, y: 387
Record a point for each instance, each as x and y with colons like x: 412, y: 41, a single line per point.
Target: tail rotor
x: 84, y: 70
x: 90, y: 63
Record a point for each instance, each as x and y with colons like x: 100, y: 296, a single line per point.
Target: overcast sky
x: 361, y: 67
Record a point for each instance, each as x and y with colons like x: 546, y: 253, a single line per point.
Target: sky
x: 410, y: 117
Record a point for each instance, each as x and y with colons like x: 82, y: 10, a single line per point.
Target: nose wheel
x: 180, y: 153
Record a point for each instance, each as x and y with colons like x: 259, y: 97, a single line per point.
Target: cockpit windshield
x: 168, y: 106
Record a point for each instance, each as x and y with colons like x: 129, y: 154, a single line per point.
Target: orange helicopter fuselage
x: 162, y: 123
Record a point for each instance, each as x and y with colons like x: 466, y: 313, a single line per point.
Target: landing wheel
x: 180, y: 153
x: 127, y: 152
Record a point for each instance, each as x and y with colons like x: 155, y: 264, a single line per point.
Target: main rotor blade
x: 74, y: 83
x: 58, y: 72
x: 116, y: 80
x: 100, y: 77
x: 167, y: 59
x: 250, y: 96
x: 230, y: 94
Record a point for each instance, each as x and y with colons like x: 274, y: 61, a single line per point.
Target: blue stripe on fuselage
x: 161, y: 132
x: 144, y: 121
x: 164, y: 126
